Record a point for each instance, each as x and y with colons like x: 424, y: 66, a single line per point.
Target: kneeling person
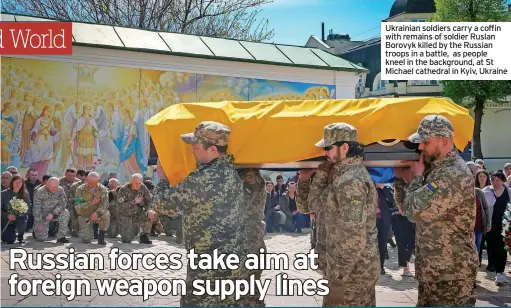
x: 135, y: 210
x: 91, y: 205
x: 50, y: 205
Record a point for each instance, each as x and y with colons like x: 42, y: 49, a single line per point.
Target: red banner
x: 36, y: 38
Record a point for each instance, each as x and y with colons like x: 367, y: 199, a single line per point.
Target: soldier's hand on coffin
x: 404, y: 173
x: 417, y: 167
x: 94, y: 216
x: 305, y: 174
x: 96, y: 201
x: 49, y: 217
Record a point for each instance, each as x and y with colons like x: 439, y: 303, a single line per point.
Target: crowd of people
x: 441, y: 209
x: 77, y: 204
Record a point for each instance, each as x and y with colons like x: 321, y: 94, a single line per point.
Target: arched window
x: 379, y: 84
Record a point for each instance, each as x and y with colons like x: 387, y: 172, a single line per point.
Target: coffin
x: 280, y: 135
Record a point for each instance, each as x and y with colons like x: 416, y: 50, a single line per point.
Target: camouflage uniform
x: 348, y: 202
x: 73, y: 221
x: 170, y: 220
x: 255, y: 200
x: 131, y: 216
x: 318, y: 235
x: 442, y: 205
x: 66, y: 184
x: 114, y: 228
x: 46, y: 203
x: 211, y: 200
x: 84, y: 208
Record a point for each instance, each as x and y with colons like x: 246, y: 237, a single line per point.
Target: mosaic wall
x: 58, y: 115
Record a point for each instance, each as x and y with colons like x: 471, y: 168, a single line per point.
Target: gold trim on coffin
x: 388, y: 144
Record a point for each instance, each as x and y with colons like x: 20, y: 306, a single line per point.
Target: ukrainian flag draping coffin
x: 282, y: 134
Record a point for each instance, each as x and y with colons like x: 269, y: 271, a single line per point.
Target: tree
x: 474, y: 93
x: 236, y: 19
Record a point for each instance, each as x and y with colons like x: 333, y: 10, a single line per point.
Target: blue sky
x: 295, y: 20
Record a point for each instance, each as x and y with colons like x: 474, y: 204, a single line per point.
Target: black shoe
x: 144, y: 239
x: 101, y: 238
x: 383, y: 271
x: 62, y: 240
x: 21, y: 241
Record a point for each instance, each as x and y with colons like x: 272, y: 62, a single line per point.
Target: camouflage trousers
x: 358, y: 288
x: 86, y: 232
x: 459, y: 293
x: 73, y: 221
x: 350, y: 295
x: 253, y: 300
x: 172, y: 223
x: 63, y: 220
x: 191, y: 300
x: 130, y: 226
x: 114, y: 228
x: 320, y: 246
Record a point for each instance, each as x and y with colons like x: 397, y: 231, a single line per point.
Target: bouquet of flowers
x: 17, y: 207
x: 506, y: 228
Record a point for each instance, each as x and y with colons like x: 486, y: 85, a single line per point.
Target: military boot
x: 144, y: 239
x: 101, y: 238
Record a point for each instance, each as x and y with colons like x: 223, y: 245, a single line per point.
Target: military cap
x: 337, y: 132
x: 433, y: 125
x: 208, y: 132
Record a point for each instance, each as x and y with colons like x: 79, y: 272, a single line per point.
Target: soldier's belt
x: 386, y: 153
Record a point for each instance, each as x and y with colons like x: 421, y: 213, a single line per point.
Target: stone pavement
x: 392, y: 289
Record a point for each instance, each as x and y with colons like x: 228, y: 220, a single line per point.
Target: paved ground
x: 392, y: 289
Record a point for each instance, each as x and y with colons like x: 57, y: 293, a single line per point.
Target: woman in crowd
x: 497, y: 195
x: 272, y: 208
x: 482, y: 178
x: 295, y: 220
x: 15, y: 223
x: 483, y: 218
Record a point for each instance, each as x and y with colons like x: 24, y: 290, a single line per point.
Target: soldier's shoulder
x: 124, y: 188
x: 456, y: 171
x: 76, y: 184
